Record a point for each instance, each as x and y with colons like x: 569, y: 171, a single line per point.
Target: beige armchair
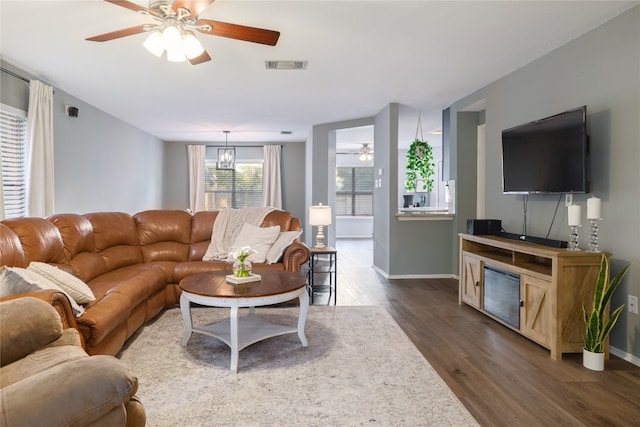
x: 47, y: 379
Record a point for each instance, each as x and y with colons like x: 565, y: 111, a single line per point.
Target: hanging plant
x: 420, y: 164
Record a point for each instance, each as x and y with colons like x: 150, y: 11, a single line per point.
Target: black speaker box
x: 484, y: 226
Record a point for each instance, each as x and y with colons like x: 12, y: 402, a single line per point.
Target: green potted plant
x: 420, y: 167
x: 597, y: 324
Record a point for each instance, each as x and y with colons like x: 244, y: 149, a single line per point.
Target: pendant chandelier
x: 226, y: 155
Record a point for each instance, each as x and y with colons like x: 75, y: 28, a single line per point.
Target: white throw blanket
x: 227, y: 226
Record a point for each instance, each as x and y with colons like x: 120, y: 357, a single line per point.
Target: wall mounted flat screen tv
x: 547, y: 156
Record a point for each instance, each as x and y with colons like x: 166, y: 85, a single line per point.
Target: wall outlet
x: 633, y: 304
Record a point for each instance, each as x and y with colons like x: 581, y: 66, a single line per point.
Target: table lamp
x: 319, y: 216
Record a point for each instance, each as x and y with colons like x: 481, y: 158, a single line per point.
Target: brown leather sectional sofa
x: 132, y: 263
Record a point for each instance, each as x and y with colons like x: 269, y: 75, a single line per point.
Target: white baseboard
x: 625, y: 356
x: 421, y: 276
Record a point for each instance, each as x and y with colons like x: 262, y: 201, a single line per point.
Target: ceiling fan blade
x: 117, y: 34
x: 194, y: 6
x: 204, y: 57
x: 128, y: 5
x: 240, y: 32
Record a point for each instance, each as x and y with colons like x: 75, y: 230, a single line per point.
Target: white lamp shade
x: 176, y: 54
x: 154, y: 43
x: 319, y: 215
x: 171, y: 38
x: 191, y: 45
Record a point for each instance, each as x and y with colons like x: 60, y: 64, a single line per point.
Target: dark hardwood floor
x: 502, y: 378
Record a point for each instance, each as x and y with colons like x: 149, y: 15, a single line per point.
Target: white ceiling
x: 362, y: 55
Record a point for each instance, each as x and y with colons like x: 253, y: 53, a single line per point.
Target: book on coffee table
x: 236, y: 280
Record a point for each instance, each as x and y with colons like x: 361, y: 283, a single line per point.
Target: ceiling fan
x: 174, y: 31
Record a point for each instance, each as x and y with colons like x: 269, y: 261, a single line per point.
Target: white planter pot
x: 593, y: 361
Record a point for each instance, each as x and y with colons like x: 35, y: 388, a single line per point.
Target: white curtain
x: 271, y: 181
x: 39, y: 153
x: 197, y: 154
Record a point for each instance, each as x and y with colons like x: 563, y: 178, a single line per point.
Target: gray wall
x: 600, y: 69
x: 105, y: 164
x: 385, y: 137
x: 176, y: 176
x: 320, y: 160
x: 100, y: 162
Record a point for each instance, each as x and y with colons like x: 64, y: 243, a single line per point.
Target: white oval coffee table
x: 212, y: 289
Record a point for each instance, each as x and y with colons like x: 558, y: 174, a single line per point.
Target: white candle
x: 593, y: 208
x: 574, y: 214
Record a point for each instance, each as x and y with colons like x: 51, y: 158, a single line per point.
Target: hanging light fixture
x: 366, y: 153
x: 226, y: 155
x: 179, y: 44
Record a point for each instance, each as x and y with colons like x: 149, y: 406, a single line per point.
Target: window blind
x: 354, y: 191
x: 13, y: 139
x: 238, y: 188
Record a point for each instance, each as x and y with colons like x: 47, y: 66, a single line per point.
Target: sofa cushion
x: 137, y: 282
x: 76, y: 232
x: 66, y: 348
x: 16, y: 280
x: 164, y: 234
x: 185, y: 269
x: 76, y: 288
x: 26, y: 333
x: 116, y: 238
x: 257, y: 238
x: 11, y: 252
x: 40, y: 239
x: 76, y: 393
x: 283, y: 241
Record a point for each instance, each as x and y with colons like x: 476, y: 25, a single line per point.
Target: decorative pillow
x: 75, y: 287
x: 282, y: 242
x: 257, y: 238
x: 15, y: 280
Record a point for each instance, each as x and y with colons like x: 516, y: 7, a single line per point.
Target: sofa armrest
x: 74, y: 393
x: 58, y: 300
x: 295, y: 256
x: 23, y: 334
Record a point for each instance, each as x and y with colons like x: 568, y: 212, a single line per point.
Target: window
x: 354, y: 191
x: 237, y: 188
x: 13, y: 140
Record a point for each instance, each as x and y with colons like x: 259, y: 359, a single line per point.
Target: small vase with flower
x: 241, y: 265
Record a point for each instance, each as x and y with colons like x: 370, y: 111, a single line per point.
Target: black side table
x: 323, y: 261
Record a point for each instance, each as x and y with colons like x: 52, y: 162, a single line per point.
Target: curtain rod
x: 17, y: 76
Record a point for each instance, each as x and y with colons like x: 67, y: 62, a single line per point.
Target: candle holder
x: 593, y: 235
x: 573, y: 238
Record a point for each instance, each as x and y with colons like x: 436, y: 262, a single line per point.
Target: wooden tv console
x: 554, y: 283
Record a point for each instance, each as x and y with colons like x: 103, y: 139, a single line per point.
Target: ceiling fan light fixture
x: 171, y: 37
x: 154, y: 43
x: 366, y: 154
x: 191, y: 46
x: 176, y: 54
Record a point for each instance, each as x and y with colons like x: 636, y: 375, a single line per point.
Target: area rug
x: 359, y: 369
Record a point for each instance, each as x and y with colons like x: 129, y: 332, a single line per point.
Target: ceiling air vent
x: 285, y: 65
